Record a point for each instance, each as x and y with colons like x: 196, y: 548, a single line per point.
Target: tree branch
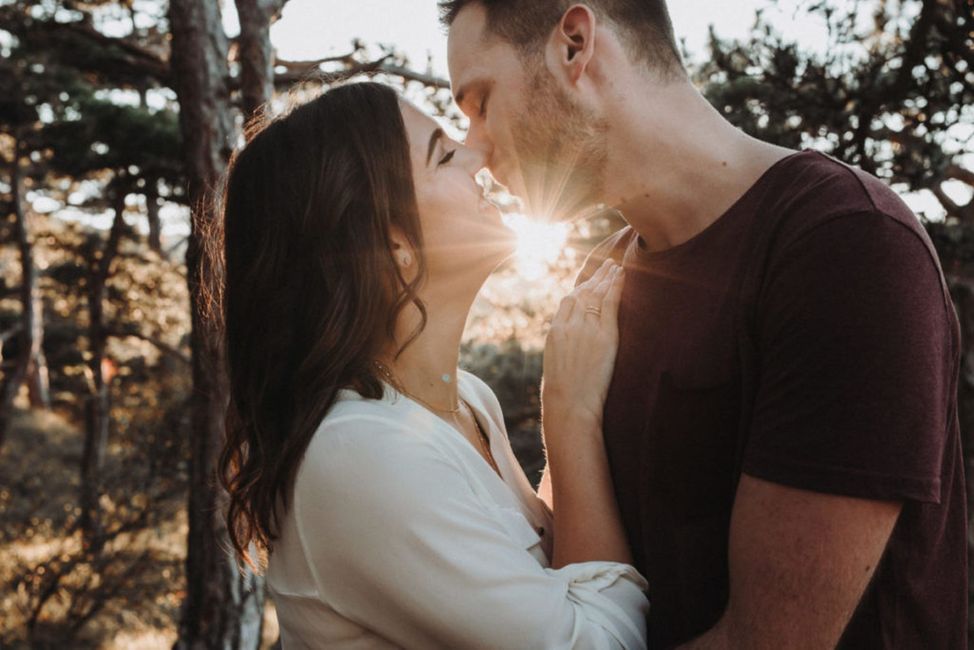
x: 162, y: 346
x: 958, y: 173
x: 135, y: 58
x: 381, y: 65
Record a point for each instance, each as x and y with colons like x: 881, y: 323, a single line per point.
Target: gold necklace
x: 384, y: 369
x: 482, y: 435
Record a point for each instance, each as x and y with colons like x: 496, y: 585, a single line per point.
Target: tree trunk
x: 98, y: 404
x: 152, y: 214
x: 223, y: 607
x: 30, y: 358
x: 38, y: 379
x: 255, y: 53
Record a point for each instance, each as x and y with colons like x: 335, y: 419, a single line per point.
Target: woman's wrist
x: 569, y: 440
x: 568, y: 424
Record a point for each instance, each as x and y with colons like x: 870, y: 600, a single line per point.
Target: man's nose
x: 477, y: 140
x: 477, y: 159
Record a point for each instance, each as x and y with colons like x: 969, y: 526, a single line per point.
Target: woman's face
x: 463, y: 235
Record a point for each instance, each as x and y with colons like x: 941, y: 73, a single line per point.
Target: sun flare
x: 539, y: 244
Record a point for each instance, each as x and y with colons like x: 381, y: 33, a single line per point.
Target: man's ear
x: 572, y: 43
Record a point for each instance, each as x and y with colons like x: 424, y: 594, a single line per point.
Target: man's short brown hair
x: 645, y: 25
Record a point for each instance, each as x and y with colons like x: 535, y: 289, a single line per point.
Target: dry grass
x: 127, y: 596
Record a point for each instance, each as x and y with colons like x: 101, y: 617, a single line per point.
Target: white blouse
x: 400, y: 535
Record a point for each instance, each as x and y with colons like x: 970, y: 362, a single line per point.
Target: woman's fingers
x: 593, y: 305
x: 589, y: 285
x: 610, y: 304
x: 590, y: 304
x: 584, y: 295
x: 589, y: 299
x: 565, y: 309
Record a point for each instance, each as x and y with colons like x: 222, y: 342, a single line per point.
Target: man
x: 791, y: 478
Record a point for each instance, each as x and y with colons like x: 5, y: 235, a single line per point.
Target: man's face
x: 538, y: 141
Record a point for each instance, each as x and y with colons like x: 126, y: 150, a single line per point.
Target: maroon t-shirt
x: 856, y: 357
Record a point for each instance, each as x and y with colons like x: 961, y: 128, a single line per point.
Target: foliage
x: 52, y: 581
x: 893, y: 93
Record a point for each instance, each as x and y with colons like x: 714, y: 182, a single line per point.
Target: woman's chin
x: 500, y: 250
x: 500, y: 236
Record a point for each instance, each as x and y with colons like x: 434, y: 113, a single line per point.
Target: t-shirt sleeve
x: 398, y: 541
x: 854, y: 360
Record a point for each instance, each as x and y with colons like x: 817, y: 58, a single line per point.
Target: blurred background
x: 116, y: 120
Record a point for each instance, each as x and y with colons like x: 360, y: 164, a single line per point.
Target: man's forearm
x: 713, y: 639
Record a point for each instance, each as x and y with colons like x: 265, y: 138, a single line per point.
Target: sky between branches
x: 316, y: 28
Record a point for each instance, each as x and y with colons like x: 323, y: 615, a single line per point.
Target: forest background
x: 117, y: 117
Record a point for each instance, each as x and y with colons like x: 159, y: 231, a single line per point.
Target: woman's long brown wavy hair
x: 310, y: 291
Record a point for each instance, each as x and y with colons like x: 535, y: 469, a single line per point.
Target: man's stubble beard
x: 562, y: 151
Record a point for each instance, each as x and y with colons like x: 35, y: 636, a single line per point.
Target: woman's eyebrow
x: 436, y: 135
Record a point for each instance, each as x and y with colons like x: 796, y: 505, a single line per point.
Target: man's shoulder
x: 815, y: 189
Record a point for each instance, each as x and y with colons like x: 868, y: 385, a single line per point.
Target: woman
x: 375, y: 476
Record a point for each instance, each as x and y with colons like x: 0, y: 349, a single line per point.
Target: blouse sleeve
x: 398, y: 542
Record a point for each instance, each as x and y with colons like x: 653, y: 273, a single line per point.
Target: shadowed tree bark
x: 100, y: 367
x: 152, y: 215
x: 29, y: 365
x: 255, y: 54
x: 223, y: 607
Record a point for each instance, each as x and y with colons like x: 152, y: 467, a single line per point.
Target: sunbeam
x: 539, y: 244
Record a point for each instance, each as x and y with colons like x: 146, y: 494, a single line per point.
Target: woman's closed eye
x: 446, y: 158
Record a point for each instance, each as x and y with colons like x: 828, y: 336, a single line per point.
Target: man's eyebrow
x: 436, y: 135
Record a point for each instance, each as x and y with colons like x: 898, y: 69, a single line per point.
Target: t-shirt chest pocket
x: 692, y: 438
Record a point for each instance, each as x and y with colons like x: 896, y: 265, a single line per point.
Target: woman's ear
x: 572, y: 43
x: 402, y: 251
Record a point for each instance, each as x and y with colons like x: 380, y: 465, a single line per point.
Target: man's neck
x: 676, y: 165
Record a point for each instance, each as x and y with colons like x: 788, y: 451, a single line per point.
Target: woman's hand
x: 580, y: 354
x: 579, y: 358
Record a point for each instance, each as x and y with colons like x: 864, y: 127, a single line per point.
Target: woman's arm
x: 579, y: 359
x: 544, y: 488
x: 587, y: 523
x: 398, y: 541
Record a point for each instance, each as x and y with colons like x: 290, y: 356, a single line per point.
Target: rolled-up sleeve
x: 399, y: 542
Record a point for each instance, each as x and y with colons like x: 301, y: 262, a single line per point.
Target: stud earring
x: 405, y: 259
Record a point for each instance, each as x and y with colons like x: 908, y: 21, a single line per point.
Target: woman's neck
x: 427, y: 368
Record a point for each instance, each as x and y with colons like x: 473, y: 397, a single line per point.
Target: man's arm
x: 799, y: 564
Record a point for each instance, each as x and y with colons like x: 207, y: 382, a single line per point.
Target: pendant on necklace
x: 446, y: 378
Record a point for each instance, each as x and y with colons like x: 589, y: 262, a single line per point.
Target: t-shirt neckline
x: 652, y: 256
